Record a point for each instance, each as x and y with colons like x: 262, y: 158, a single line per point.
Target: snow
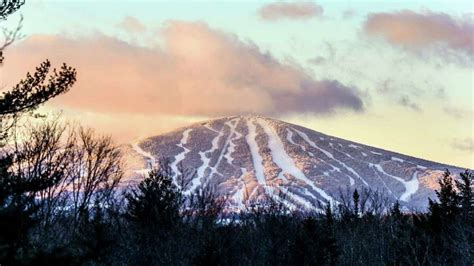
x: 288, y: 152
x: 289, y: 137
x: 421, y: 167
x: 284, y: 161
x: 180, y: 156
x: 224, y: 148
x: 239, y: 194
x: 410, y: 186
x: 195, y: 182
x: 329, y: 155
x: 151, y: 160
x: 231, y: 146
x: 257, y: 159
x: 397, y: 159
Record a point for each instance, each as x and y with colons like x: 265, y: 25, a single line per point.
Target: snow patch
x: 179, y: 157
x: 410, y: 186
x: 254, y: 151
x: 397, y: 159
x: 328, y: 154
x: 150, y: 159
x: 284, y: 161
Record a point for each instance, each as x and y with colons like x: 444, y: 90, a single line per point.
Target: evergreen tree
x: 156, y: 201
x: 8, y: 7
x: 328, y: 214
x: 465, y: 194
x: 447, y: 206
x: 356, y: 198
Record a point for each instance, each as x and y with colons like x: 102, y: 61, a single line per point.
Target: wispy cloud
x: 290, y: 10
x: 131, y: 25
x: 427, y: 31
x: 348, y: 13
x: 466, y: 144
x: 407, y: 102
x: 458, y: 113
x: 197, y: 71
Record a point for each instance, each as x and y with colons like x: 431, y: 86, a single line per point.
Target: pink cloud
x: 420, y: 31
x: 197, y: 71
x: 290, y: 10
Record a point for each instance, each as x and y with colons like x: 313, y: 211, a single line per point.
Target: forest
x: 61, y: 203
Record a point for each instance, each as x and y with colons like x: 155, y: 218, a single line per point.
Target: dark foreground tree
x: 155, y: 203
x: 17, y: 202
x: 8, y: 7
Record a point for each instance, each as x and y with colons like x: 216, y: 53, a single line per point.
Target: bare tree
x: 78, y: 166
x: 95, y: 171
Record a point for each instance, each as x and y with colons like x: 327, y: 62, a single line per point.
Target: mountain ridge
x: 250, y: 157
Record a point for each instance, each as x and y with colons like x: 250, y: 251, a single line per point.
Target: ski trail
x: 150, y: 159
x: 289, y: 137
x: 239, y: 194
x: 195, y: 182
x: 231, y: 149
x: 179, y: 157
x: 254, y: 151
x: 410, y: 186
x: 385, y: 184
x: 329, y: 155
x: 224, y: 149
x: 283, y: 160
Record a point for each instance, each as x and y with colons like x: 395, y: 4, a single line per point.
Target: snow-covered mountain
x: 249, y: 158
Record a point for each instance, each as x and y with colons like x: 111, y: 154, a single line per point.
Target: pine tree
x: 448, y: 205
x: 356, y: 198
x: 156, y: 201
x: 329, y: 215
x: 395, y: 211
x: 8, y: 7
x: 465, y: 194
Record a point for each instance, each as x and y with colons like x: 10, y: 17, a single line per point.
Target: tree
x: 447, y: 207
x: 465, y: 194
x: 155, y: 202
x: 17, y: 202
x: 33, y: 91
x: 355, y: 198
x: 8, y: 7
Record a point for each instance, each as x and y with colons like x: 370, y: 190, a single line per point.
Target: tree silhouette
x: 8, y: 7
x: 155, y: 202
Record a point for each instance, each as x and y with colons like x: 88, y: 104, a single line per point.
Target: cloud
x: 407, y: 102
x: 348, y: 13
x: 197, y: 71
x: 458, y: 113
x: 290, y: 10
x: 131, y: 25
x: 318, y: 60
x: 418, y: 32
x: 466, y: 144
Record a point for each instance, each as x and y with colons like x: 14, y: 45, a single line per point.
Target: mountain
x: 249, y: 158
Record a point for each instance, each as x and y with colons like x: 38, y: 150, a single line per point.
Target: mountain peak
x: 250, y: 158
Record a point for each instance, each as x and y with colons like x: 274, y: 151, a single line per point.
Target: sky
x: 397, y: 75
